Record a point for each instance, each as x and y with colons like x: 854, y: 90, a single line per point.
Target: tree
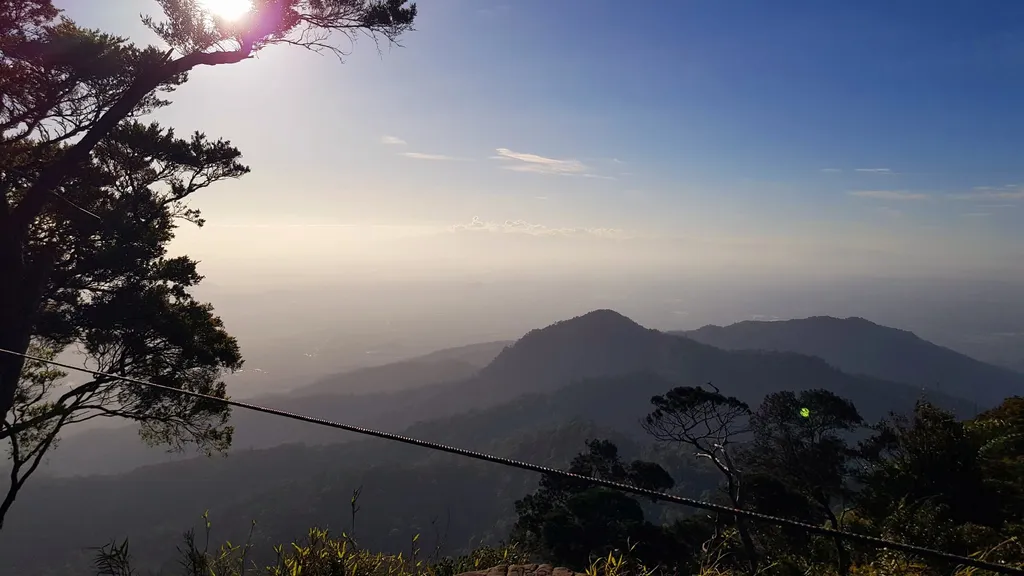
x: 929, y: 458
x: 934, y: 480
x: 112, y: 293
x: 1000, y: 435
x: 65, y: 90
x: 798, y: 441
x: 27, y: 447
x: 568, y: 521
x: 710, y: 423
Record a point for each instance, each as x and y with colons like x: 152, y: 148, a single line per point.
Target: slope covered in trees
x: 292, y: 487
x: 923, y: 477
x: 858, y: 346
x: 600, y: 344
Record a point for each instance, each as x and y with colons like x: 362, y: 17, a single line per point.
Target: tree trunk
x: 841, y: 552
x: 21, y: 295
x: 742, y: 527
x: 15, y: 333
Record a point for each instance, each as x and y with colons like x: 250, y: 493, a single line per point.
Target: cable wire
x: 653, y: 494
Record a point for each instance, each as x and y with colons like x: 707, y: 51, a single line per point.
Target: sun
x: 227, y: 9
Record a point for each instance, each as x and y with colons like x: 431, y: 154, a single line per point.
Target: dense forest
x: 924, y: 478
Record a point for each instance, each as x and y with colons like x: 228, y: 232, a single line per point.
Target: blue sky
x: 802, y: 131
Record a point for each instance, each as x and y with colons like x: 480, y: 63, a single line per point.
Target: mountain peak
x: 858, y: 345
x: 603, y: 319
x: 596, y: 343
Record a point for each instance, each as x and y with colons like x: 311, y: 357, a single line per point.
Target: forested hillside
x: 598, y: 344
x: 539, y: 400
x: 858, y: 346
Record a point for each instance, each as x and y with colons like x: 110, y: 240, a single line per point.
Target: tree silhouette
x: 568, y: 521
x: 111, y: 292
x: 65, y: 90
x: 799, y: 442
x: 710, y: 423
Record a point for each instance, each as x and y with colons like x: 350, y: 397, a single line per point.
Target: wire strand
x: 653, y: 494
x: 76, y: 206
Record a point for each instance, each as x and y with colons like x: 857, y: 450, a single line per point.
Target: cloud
x: 524, y: 227
x: 522, y: 162
x: 424, y: 156
x: 889, y: 195
x: 392, y: 140
x: 1008, y: 192
x: 874, y: 170
x: 831, y: 170
x: 977, y: 214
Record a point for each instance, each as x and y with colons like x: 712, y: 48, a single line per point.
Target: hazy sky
x: 859, y: 137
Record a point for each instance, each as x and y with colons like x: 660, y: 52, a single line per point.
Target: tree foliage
x: 571, y: 522
x: 711, y: 424
x: 90, y: 196
x: 800, y: 447
x: 113, y: 294
x: 924, y: 478
x: 71, y: 98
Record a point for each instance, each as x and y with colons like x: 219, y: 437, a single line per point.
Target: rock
x: 524, y: 570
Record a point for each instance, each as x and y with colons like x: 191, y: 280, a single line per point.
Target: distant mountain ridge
x: 440, y: 366
x: 598, y: 345
x: 592, y: 376
x: 859, y: 346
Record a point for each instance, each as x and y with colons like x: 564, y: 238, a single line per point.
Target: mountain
x: 406, y: 490
x: 604, y: 343
x: 859, y: 346
x: 441, y: 366
x: 107, y: 451
x: 538, y: 400
x: 599, y: 344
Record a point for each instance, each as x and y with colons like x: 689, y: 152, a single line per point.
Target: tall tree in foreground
x: 569, y: 522
x: 112, y: 293
x: 938, y: 481
x: 65, y: 89
x: 799, y: 442
x: 710, y: 423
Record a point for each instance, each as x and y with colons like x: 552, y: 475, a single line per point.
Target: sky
x: 684, y: 162
x: 869, y: 137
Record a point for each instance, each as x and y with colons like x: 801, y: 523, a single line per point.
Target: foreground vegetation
x: 927, y: 479
x: 321, y: 554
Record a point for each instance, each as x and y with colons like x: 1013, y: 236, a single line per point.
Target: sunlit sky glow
x: 876, y: 136
x: 227, y: 9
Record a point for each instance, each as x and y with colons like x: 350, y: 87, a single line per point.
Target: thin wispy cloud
x: 524, y: 227
x: 523, y: 162
x: 976, y: 214
x: 898, y: 195
x: 392, y: 140
x: 874, y: 170
x: 1008, y: 192
x: 425, y: 156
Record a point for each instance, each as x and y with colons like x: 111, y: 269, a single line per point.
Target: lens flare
x: 227, y: 9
